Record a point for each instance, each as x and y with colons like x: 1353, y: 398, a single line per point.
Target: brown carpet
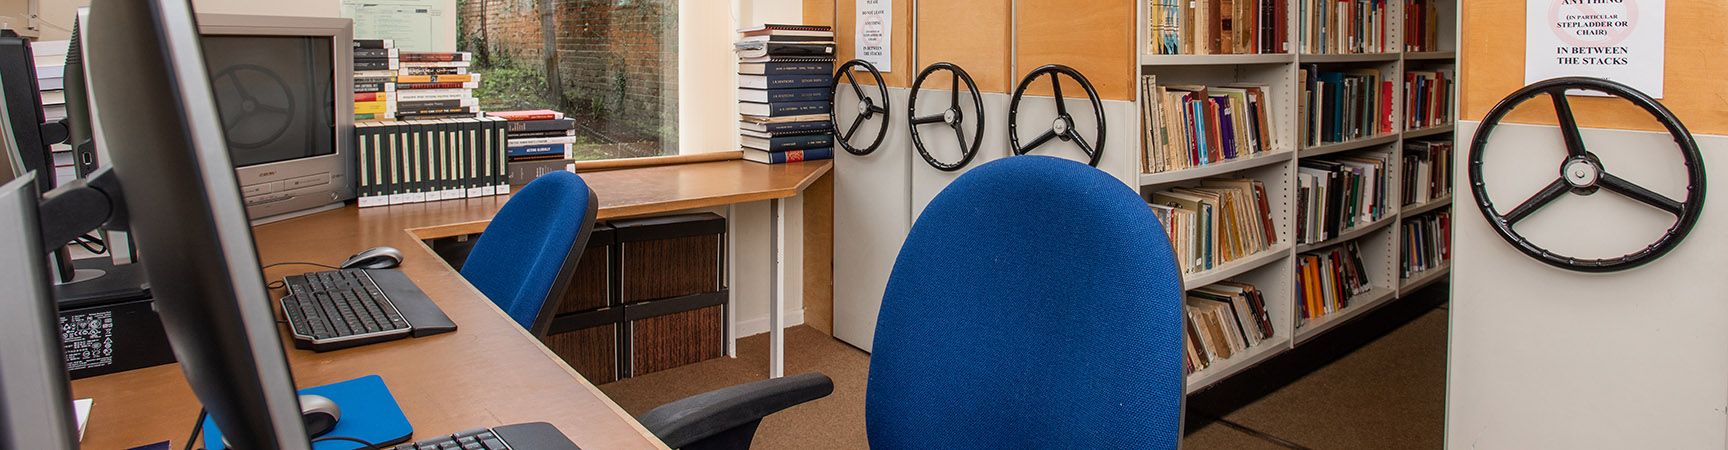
x: 1387, y: 393
x: 832, y: 422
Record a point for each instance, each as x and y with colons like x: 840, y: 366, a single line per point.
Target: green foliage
x: 506, y: 86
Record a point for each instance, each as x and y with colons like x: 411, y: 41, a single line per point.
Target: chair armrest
x: 700, y: 416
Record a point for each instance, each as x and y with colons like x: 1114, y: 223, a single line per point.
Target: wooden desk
x: 490, y: 371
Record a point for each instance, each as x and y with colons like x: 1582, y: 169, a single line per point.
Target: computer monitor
x: 285, y: 90
x: 156, y: 106
x: 23, y: 101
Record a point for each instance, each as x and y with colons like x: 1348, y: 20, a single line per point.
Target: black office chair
x: 726, y: 418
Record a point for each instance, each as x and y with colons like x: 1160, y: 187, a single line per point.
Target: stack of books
x: 539, y: 134
x: 1190, y: 125
x: 1341, y: 106
x: 1222, y: 320
x: 1427, y: 98
x: 784, y: 76
x: 1427, y: 171
x: 1327, y: 280
x: 1427, y: 243
x: 436, y: 85
x: 1219, y: 221
x: 1343, y: 26
x: 375, y: 65
x: 1206, y: 27
x: 1338, y: 195
x: 50, y: 60
x: 1421, y: 25
x: 429, y: 160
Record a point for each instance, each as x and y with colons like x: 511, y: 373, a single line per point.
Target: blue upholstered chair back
x: 524, y: 259
x: 1035, y: 305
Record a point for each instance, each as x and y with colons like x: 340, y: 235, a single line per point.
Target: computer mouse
x: 374, y: 258
x: 319, y: 413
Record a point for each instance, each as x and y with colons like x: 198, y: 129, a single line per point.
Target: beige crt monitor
x: 285, y: 90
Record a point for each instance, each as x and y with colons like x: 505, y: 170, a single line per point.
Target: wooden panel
x: 593, y: 352
x: 1095, y: 38
x: 671, y: 267
x: 1492, y: 66
x: 819, y: 255
x: 845, y: 35
x: 590, y: 283
x: 819, y: 12
x: 664, y: 342
x: 971, y: 34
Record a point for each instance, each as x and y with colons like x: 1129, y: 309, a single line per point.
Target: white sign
x: 1620, y: 40
x: 875, y: 28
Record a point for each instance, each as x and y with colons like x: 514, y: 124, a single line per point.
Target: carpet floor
x: 1377, y: 382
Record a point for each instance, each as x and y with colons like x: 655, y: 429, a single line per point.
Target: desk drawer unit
x: 671, y: 272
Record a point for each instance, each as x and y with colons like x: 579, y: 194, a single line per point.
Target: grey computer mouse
x: 374, y: 258
x: 319, y: 413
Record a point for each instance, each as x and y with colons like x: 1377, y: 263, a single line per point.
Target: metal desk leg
x: 731, y: 282
x: 777, y: 290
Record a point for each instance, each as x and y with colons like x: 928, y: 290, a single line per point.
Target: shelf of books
x: 1297, y: 152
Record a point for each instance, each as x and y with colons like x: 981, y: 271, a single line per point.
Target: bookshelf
x: 1273, y: 270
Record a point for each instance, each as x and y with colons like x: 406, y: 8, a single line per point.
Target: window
x: 614, y: 64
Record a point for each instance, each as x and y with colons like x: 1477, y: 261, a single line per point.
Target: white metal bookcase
x: 1273, y: 270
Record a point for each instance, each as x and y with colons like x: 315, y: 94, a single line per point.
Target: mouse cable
x: 92, y: 244
x: 287, y: 263
x: 367, y: 445
x: 196, y: 428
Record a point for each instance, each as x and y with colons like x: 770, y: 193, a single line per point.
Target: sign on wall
x: 1620, y: 40
x: 875, y: 28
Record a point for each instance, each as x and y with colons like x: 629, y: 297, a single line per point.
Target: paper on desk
x: 81, y: 408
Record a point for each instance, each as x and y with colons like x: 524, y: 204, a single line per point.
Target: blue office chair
x: 523, y: 262
x: 1036, y: 303
x: 524, y: 259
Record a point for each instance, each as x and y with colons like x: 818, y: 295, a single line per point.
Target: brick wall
x: 617, y: 59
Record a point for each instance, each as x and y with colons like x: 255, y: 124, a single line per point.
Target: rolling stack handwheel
x: 868, y: 108
x: 1582, y: 173
x: 1063, y: 127
x: 954, y: 117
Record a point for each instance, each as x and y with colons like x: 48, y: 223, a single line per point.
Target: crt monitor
x: 285, y: 92
x: 168, y: 147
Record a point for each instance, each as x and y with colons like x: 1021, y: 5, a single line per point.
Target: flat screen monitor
x: 158, y: 110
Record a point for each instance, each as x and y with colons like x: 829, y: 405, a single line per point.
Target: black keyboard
x: 524, y: 436
x: 340, y: 308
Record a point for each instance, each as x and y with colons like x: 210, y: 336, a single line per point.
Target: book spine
x: 815, y: 154
x: 518, y: 142
x: 501, y: 181
x: 527, y: 117
x: 529, y: 125
x: 362, y: 87
x: 800, y: 142
x: 374, y: 43
x: 401, y: 86
x: 431, y: 70
x: 425, y: 79
x: 539, y: 134
x: 373, y: 64
x: 432, y: 95
x: 371, y: 97
x: 536, y: 150
x: 426, y: 105
x: 372, y: 107
x: 796, y: 68
x: 373, y: 53
x: 434, y: 57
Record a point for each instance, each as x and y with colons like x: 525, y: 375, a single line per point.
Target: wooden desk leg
x: 731, y: 281
x: 777, y: 290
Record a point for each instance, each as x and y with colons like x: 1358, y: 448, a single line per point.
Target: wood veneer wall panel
x: 972, y: 34
x: 672, y: 340
x: 819, y: 12
x: 845, y: 37
x: 589, y: 284
x: 1095, y: 38
x: 673, y: 267
x: 593, y: 352
x: 1492, y: 66
x: 819, y: 254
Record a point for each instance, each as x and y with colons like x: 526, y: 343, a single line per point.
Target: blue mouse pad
x: 369, y: 413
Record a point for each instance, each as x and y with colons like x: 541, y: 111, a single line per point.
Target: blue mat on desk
x: 369, y: 413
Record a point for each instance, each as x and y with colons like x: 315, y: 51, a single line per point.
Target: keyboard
x: 522, y: 436
x: 338, y: 309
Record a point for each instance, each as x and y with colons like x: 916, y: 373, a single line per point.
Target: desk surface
x: 491, y: 371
